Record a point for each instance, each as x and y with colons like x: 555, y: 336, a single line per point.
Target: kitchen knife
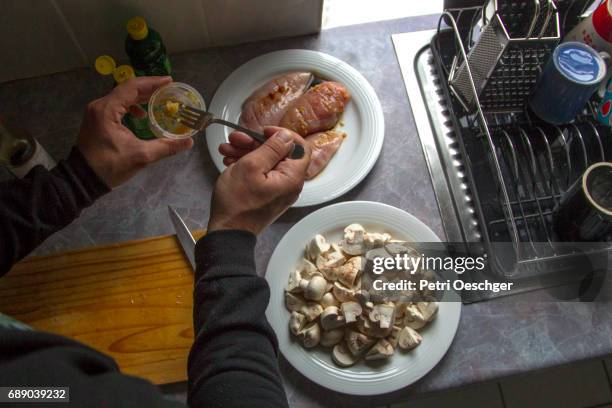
x: 184, y: 236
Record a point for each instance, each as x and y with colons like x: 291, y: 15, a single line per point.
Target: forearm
x: 234, y: 357
x: 33, y: 208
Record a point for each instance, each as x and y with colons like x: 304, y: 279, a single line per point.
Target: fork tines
x: 191, y: 117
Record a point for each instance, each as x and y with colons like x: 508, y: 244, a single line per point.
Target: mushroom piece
x: 342, y: 293
x: 383, y: 314
x: 400, y: 308
x: 293, y: 285
x: 317, y: 246
x: 353, y: 243
x: 315, y: 288
x: 328, y: 299
x: 351, y: 310
x: 408, y: 338
x: 294, y: 303
x: 428, y: 310
x: 296, y: 322
x: 413, y: 318
x: 307, y: 268
x: 358, y: 343
x: 372, y: 330
x: 332, y: 337
x: 381, y: 350
x: 376, y: 240
x: 310, y: 335
x: 331, y: 318
x: 342, y: 357
x: 393, y: 337
x: 350, y: 271
x: 362, y: 297
x: 328, y: 262
x: 311, y: 310
x: 354, y: 233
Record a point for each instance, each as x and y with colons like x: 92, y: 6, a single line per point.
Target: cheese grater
x: 507, y: 58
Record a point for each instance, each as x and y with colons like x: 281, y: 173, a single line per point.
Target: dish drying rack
x: 518, y: 167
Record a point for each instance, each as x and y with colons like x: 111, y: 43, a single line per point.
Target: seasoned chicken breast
x: 319, y: 109
x: 323, y: 145
x: 269, y: 103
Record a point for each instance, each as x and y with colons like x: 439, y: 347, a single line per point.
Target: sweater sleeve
x: 233, y: 360
x: 33, y: 208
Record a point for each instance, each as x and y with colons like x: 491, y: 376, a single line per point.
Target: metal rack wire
x: 531, y: 165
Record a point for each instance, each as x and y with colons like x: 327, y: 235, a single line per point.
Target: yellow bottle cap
x: 105, y: 65
x: 137, y: 28
x: 123, y: 72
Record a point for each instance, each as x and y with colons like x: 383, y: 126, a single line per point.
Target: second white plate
x: 363, y: 118
x: 361, y: 379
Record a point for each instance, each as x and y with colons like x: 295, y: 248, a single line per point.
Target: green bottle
x: 105, y: 65
x: 146, y: 49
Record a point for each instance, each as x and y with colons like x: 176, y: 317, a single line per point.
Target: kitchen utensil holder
x: 502, y: 67
x: 522, y: 186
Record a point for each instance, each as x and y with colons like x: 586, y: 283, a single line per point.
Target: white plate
x: 363, y: 118
x: 403, y: 368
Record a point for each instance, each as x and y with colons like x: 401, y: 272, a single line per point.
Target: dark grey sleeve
x: 233, y: 361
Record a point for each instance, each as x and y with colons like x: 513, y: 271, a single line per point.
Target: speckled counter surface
x: 495, y: 338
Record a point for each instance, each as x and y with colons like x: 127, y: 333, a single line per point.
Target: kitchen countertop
x: 494, y: 338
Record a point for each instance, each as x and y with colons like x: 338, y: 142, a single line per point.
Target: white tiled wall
x: 39, y: 37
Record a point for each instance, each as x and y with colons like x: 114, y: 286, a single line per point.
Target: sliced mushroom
x: 332, y: 337
x: 409, y: 338
x: 296, y: 322
x: 400, y: 308
x: 331, y: 318
x: 381, y: 350
x: 351, y: 310
x: 329, y: 261
x: 393, y: 337
x: 293, y: 285
x: 311, y: 310
x: 328, y: 299
x: 349, y: 272
x: 342, y: 356
x: 413, y: 317
x: 354, y: 233
x: 293, y: 303
x: 317, y: 246
x: 342, y: 293
x: 353, y: 243
x: 310, y: 335
x: 315, y: 288
x: 428, y: 310
x: 383, y: 315
x: 362, y: 297
x: 307, y: 268
x: 358, y: 343
x: 369, y: 329
x: 376, y: 239
x: 397, y: 247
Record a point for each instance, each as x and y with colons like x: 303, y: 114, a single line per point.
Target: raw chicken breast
x: 319, y: 109
x: 269, y: 103
x: 323, y: 145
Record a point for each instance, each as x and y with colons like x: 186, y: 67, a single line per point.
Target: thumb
x: 276, y: 148
x: 158, y: 149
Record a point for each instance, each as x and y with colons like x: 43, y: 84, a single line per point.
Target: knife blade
x: 184, y: 236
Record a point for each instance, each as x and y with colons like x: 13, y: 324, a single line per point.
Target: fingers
x: 154, y: 150
x: 136, y: 90
x: 276, y: 148
x: 229, y: 150
x: 243, y: 141
x: 228, y: 161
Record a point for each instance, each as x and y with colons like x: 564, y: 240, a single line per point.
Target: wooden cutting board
x: 132, y: 301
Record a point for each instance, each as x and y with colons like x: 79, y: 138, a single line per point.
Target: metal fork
x: 200, y: 120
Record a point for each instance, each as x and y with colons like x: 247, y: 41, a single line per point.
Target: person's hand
x: 256, y: 189
x: 114, y: 153
x: 239, y: 145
